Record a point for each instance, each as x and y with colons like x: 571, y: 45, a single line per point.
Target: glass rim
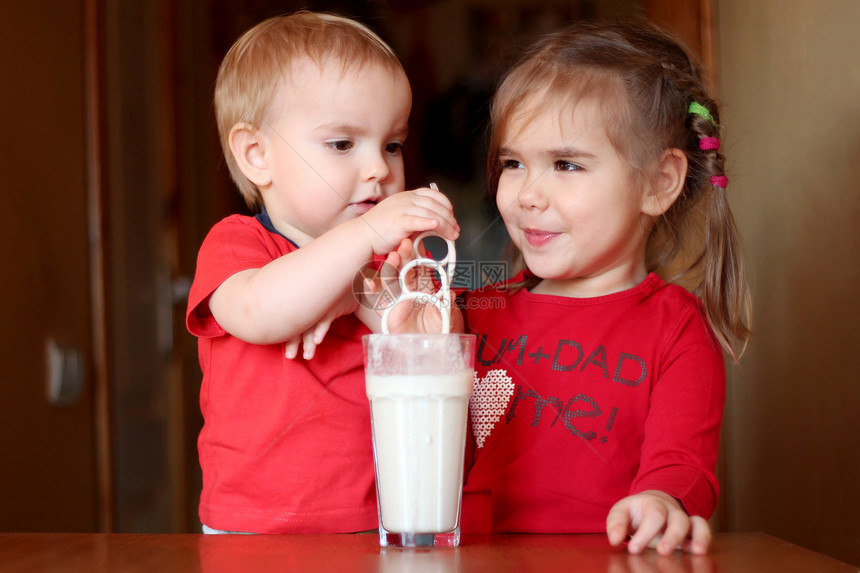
x: 416, y: 335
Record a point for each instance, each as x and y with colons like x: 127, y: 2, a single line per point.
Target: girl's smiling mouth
x: 539, y: 238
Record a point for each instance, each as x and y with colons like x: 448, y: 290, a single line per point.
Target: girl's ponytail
x: 722, y: 284
x: 723, y: 288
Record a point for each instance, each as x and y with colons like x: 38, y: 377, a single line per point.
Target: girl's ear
x: 249, y: 145
x: 667, y: 183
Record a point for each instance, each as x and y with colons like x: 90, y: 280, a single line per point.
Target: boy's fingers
x: 440, y: 223
x: 436, y: 195
x: 437, y: 207
x: 320, y: 330
x: 291, y: 348
x: 309, y: 347
x: 314, y: 336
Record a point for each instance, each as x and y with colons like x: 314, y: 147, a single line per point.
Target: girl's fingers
x: 651, y: 526
x: 402, y: 255
x: 618, y: 524
x: 658, y: 526
x: 701, y: 536
x: 677, y: 528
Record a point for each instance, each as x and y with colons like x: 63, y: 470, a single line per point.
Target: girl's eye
x: 510, y: 164
x: 341, y: 145
x: 394, y: 148
x: 566, y: 166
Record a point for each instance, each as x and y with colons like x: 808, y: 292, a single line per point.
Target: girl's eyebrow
x: 571, y: 152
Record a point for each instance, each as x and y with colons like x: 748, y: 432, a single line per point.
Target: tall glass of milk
x: 419, y: 386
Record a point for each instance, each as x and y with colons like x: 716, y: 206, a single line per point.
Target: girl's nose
x: 532, y: 195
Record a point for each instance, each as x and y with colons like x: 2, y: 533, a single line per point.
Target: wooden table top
x: 94, y: 553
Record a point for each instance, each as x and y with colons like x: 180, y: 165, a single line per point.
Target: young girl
x: 600, y: 384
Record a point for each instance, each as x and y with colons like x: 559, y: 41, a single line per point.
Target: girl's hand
x: 656, y: 519
x: 406, y: 214
x: 414, y: 316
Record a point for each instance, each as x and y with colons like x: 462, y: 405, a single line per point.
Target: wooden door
x: 48, y: 448
x: 693, y: 21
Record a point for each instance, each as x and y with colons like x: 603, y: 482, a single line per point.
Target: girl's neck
x: 617, y: 280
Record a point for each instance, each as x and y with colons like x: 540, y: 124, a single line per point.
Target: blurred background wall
x: 791, y: 83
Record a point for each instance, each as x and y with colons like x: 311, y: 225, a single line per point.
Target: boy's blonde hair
x: 252, y: 70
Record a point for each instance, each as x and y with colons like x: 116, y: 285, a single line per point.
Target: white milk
x: 419, y: 431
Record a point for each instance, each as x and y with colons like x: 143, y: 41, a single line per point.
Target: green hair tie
x: 701, y: 111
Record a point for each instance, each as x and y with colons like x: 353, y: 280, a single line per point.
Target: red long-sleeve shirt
x: 581, y: 402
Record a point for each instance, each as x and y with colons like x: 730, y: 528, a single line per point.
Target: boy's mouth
x: 364, y: 206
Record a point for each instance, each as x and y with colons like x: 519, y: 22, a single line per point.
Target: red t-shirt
x: 286, y: 444
x: 580, y: 402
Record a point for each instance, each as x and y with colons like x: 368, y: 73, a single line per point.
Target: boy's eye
x: 341, y: 145
x: 510, y: 164
x: 394, y: 148
x: 566, y: 166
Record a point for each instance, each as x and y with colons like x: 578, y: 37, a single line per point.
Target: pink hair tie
x: 708, y: 143
x: 720, y: 181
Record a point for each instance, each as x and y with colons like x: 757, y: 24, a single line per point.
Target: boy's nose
x: 376, y: 167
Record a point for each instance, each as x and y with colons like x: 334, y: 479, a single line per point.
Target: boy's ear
x: 667, y: 184
x: 249, y: 145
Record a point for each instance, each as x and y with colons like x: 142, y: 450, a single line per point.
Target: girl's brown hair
x: 645, y: 80
x: 254, y: 66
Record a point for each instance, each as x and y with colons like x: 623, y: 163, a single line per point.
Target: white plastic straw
x: 441, y: 299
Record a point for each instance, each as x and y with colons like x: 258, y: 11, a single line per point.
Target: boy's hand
x: 313, y: 336
x: 656, y: 519
x: 388, y: 226
x: 407, y: 213
x: 271, y: 304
